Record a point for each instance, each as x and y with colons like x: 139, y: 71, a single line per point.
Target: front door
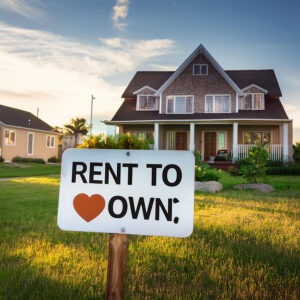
x: 210, y: 141
x: 181, y: 140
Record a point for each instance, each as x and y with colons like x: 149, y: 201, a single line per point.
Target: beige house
x: 23, y: 134
x: 202, y: 107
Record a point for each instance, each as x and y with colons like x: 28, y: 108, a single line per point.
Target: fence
x: 275, y: 151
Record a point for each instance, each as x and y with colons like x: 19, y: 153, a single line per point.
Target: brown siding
x: 199, y: 86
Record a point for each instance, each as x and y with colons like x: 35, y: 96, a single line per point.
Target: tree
x: 77, y: 126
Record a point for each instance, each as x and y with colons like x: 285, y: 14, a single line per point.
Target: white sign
x: 127, y: 191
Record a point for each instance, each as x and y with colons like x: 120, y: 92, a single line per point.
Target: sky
x: 56, y: 54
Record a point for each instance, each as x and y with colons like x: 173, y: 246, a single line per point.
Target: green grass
x: 27, y: 169
x: 245, y: 245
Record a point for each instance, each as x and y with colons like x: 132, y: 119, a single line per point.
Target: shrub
x: 28, y: 160
x: 53, y: 159
x: 122, y: 141
x: 255, y: 167
x: 296, y: 152
x: 1, y: 159
x: 204, y: 172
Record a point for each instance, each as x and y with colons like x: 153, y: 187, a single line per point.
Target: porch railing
x: 275, y: 150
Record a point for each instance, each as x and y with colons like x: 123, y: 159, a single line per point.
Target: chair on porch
x: 222, y: 155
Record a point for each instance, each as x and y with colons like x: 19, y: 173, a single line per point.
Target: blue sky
x: 54, y: 54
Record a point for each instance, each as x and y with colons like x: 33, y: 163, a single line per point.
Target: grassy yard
x: 27, y: 169
x: 245, y: 245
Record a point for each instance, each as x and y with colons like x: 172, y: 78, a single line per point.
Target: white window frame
x: 51, y: 144
x: 7, y: 140
x: 200, y: 70
x: 253, y: 101
x: 143, y: 95
x: 214, y: 104
x: 32, y: 146
x: 173, y: 99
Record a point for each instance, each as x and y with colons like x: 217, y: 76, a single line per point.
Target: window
x: 143, y: 135
x: 257, y: 137
x: 30, y: 144
x: 50, y: 142
x: 10, y: 137
x: 180, y: 104
x: 146, y: 102
x: 253, y: 101
x: 217, y: 104
x: 200, y: 69
x: 221, y: 140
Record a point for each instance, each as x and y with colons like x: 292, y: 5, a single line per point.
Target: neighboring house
x: 202, y: 107
x: 25, y: 135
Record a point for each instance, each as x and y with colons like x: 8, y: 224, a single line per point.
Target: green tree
x: 297, y: 152
x: 255, y: 167
x: 77, y: 126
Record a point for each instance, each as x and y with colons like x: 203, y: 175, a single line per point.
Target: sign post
x: 122, y: 192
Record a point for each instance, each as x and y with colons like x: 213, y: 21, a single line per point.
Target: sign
x: 127, y: 191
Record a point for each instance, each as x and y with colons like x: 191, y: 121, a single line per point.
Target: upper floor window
x: 217, y: 104
x: 147, y: 102
x: 180, y: 104
x: 253, y: 101
x: 50, y: 141
x: 200, y: 69
x: 10, y: 137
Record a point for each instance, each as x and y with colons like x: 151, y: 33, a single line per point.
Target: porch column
x: 285, y: 142
x: 192, y: 137
x: 235, y: 142
x: 156, y: 135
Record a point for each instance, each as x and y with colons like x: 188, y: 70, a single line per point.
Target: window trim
x: 174, y: 104
x: 252, y: 101
x: 214, y: 105
x: 200, y: 70
x: 146, y: 109
x: 7, y: 143
x: 30, y: 153
x: 51, y: 145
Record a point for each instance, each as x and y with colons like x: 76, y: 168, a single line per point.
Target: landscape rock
x: 266, y: 188
x: 209, y: 186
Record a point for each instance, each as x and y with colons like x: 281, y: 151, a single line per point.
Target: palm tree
x: 77, y: 126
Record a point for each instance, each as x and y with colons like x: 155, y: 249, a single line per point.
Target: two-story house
x: 25, y: 135
x: 202, y: 107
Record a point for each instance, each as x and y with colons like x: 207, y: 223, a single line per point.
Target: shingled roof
x: 266, y: 79
x: 20, y: 118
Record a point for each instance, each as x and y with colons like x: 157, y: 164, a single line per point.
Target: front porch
x: 209, y: 138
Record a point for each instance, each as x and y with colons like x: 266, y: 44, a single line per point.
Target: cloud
x: 120, y: 12
x: 58, y: 75
x: 26, y: 8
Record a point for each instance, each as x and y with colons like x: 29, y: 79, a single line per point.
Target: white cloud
x: 58, y: 75
x: 29, y: 9
x: 120, y: 12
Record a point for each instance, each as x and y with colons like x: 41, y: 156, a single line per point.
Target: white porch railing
x: 275, y: 150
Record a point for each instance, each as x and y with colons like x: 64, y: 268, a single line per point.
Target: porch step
x: 223, y: 165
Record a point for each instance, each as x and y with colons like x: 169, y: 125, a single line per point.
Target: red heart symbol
x: 87, y: 207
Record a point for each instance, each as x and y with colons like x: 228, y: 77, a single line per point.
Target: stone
x: 265, y: 188
x: 209, y: 186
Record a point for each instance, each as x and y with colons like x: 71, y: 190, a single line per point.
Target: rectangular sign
x: 142, y: 192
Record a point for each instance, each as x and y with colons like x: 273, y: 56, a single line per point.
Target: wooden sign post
x: 116, y: 270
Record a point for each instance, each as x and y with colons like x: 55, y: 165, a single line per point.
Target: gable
x: 199, y: 52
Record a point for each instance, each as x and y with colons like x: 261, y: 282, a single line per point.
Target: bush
x: 296, y: 152
x: 204, y: 172
x: 28, y: 160
x: 122, y: 141
x: 254, y: 166
x: 1, y: 159
x: 53, y: 159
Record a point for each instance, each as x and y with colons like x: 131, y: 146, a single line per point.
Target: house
x: 25, y: 135
x: 202, y: 107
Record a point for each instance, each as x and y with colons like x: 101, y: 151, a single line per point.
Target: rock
x: 209, y: 186
x: 266, y: 188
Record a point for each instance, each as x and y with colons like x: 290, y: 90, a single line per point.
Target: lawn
x: 245, y: 245
x: 27, y: 169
